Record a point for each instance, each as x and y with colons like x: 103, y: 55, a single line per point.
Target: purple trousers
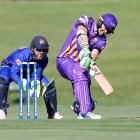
x: 80, y: 79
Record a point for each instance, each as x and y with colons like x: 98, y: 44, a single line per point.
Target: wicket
x: 27, y: 65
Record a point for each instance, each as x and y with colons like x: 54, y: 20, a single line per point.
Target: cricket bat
x: 103, y: 82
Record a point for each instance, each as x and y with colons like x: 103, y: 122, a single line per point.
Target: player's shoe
x: 2, y: 115
x: 81, y: 117
x: 76, y: 107
x: 90, y: 115
x: 58, y: 116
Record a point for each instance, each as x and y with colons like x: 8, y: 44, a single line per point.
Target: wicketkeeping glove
x: 32, y: 88
x: 43, y: 89
x: 24, y: 84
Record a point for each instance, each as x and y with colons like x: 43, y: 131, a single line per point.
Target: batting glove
x: 84, y: 53
x: 85, y: 62
x: 93, y: 69
x: 92, y: 65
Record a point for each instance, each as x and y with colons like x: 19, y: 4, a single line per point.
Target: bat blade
x: 103, y: 82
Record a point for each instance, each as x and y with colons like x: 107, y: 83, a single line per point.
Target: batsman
x: 84, y: 44
x: 10, y: 71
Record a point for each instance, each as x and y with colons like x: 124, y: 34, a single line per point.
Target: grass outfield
x: 117, y: 123
x: 20, y: 21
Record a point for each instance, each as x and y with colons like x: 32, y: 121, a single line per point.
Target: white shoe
x: 2, y: 115
x: 81, y: 117
x: 57, y: 116
x: 91, y: 115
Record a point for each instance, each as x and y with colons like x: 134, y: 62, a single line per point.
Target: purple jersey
x: 71, y: 47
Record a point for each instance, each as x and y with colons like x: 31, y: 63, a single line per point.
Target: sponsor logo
x: 41, y: 41
x: 112, y: 25
x: 18, y: 62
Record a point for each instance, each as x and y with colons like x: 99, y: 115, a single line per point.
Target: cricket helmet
x: 39, y: 42
x: 110, y: 21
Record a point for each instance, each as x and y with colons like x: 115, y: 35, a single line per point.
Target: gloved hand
x: 84, y: 53
x: 93, y: 65
x: 24, y: 84
x: 32, y: 88
x: 92, y: 72
x: 93, y: 69
x: 85, y: 62
x: 43, y: 89
x: 85, y: 58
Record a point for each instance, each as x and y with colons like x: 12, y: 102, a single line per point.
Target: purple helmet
x: 110, y: 21
x: 39, y: 42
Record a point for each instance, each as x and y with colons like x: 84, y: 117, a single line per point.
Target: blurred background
x: 21, y: 20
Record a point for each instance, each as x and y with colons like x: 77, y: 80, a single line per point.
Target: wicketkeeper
x: 10, y: 71
x: 84, y: 44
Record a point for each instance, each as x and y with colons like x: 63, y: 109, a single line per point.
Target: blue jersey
x: 23, y: 55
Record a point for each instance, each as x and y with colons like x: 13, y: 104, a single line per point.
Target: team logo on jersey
x: 18, y: 62
x: 41, y: 41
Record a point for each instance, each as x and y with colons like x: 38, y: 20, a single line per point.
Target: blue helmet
x: 110, y: 21
x: 39, y: 42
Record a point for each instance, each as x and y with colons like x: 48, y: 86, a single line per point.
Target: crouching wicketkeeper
x: 10, y: 71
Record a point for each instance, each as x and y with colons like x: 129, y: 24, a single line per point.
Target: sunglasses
x: 42, y: 50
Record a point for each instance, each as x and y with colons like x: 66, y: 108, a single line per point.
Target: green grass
x: 20, y: 21
x: 117, y: 123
